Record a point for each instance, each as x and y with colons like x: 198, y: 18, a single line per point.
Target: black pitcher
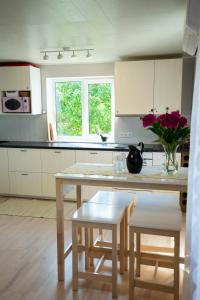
x: 134, y: 159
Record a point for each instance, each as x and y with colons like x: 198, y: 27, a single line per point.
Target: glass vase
x: 171, y: 164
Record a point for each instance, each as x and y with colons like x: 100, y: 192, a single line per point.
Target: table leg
x: 78, y: 199
x: 60, y: 230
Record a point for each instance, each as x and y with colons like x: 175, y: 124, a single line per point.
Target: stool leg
x: 176, y: 265
x: 87, y: 248
x: 101, y: 234
x: 91, y: 245
x: 126, y: 239
x: 114, y: 261
x: 74, y: 257
x: 138, y: 251
x: 131, y: 264
x: 122, y: 253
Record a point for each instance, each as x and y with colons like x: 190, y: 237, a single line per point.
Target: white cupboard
x: 141, y: 86
x: 26, y: 160
x: 134, y: 82
x: 24, y: 183
x: 54, y: 161
x: 22, y: 78
x: 168, y: 84
x: 4, y: 178
x: 84, y: 156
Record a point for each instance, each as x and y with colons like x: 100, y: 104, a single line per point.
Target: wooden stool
x: 93, y: 215
x: 124, y: 200
x: 154, y: 220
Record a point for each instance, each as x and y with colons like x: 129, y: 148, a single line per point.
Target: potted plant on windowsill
x: 172, y: 131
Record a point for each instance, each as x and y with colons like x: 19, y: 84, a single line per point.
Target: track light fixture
x: 60, y: 56
x: 67, y: 49
x: 45, y: 57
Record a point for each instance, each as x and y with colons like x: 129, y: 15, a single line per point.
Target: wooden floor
x: 28, y: 268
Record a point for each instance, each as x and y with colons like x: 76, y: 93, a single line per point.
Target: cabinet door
x: 54, y: 161
x: 84, y: 156
x: 49, y: 187
x: 15, y: 78
x: 27, y: 160
x: 168, y: 84
x: 4, y: 179
x: 29, y: 184
x: 134, y: 82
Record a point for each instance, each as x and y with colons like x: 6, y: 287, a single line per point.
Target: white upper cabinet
x: 22, y: 78
x: 168, y: 84
x: 143, y: 85
x: 134, y: 87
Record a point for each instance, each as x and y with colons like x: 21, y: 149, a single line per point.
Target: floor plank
x: 28, y: 268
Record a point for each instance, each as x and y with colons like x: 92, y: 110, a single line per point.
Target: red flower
x: 170, y: 120
x: 148, y: 120
x: 182, y: 122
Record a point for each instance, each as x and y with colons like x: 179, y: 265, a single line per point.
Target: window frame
x: 85, y: 81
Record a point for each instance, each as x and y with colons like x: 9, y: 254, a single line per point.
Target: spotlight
x: 45, y: 57
x: 88, y: 55
x: 59, y: 56
x: 73, y: 54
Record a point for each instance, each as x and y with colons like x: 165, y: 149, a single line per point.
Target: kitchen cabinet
x: 4, y: 178
x: 54, y: 161
x: 134, y: 81
x: 84, y: 156
x: 168, y: 84
x: 25, y: 183
x: 22, y: 78
x: 26, y: 160
x: 24, y: 167
x: 142, y: 86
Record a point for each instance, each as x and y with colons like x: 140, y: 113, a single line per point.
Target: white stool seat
x: 120, y: 199
x: 167, y: 201
x: 99, y: 213
x: 156, y: 219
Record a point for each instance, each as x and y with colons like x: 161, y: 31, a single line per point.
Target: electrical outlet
x: 125, y: 134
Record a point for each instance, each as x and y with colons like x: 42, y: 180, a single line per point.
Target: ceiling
x: 114, y: 28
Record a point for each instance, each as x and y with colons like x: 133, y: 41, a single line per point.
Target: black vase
x: 134, y: 159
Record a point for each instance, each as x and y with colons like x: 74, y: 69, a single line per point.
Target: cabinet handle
x: 93, y: 153
x: 24, y: 174
x: 57, y: 151
x: 151, y: 110
x: 23, y: 150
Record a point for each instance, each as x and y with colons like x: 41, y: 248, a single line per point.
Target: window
x: 84, y: 107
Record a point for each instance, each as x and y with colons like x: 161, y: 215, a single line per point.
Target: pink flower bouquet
x: 172, y: 131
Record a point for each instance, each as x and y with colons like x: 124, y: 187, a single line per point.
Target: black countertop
x: 81, y: 146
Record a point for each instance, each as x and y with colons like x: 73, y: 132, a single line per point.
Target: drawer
x: 54, y: 161
x: 25, y: 160
x: 24, y: 183
x: 84, y: 156
x: 49, y: 187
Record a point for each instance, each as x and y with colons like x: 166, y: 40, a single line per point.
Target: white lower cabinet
x: 24, y: 183
x: 54, y: 161
x: 85, y: 156
x: 4, y: 178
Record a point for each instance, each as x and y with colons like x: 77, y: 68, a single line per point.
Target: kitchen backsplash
x: 23, y: 128
x: 133, y: 127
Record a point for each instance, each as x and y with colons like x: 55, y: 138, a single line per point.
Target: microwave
x: 16, y: 104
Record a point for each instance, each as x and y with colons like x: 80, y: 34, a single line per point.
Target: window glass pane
x: 99, y: 102
x: 68, y: 108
